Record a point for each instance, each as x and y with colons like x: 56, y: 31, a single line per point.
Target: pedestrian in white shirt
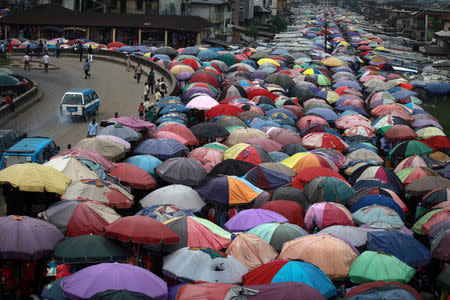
x: 46, y: 60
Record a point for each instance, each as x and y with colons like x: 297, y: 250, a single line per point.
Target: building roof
x: 50, y: 15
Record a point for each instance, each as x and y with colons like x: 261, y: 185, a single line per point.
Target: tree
x: 279, y: 24
x: 252, y: 31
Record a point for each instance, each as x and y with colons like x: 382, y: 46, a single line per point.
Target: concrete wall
x: 170, y: 7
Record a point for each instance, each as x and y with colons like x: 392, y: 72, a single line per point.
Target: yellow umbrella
x: 428, y: 132
x: 177, y: 69
x: 333, y: 62
x: 148, y: 54
x: 268, y: 61
x: 31, y: 177
x: 380, y: 48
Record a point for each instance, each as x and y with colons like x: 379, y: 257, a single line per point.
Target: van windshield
x: 75, y: 99
x: 9, y: 160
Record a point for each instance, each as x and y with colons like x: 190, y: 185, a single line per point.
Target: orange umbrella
x: 332, y: 255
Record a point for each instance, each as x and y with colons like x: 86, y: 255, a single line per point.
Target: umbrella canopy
x: 164, y: 213
x: 426, y: 184
x: 207, y: 157
x: 53, y: 291
x: 251, y: 250
x: 71, y: 167
x: 179, y: 195
x: 203, y: 102
x: 285, y: 270
x: 371, y: 266
x: 410, y: 148
x: 248, y: 153
x: 400, y: 132
x: 324, y: 214
x: 181, y: 170
x: 276, y: 234
x: 107, y: 148
x: 383, y: 290
x: 89, y: 249
x: 209, y: 130
x: 133, y: 176
x: 84, y: 283
x: 283, y: 80
x: 119, y: 295
x: 145, y: 162
x: 162, y: 148
x: 181, y: 131
x: 32, y: 177
x: 324, y: 140
x: 193, y: 264
x: 240, y: 135
x: 266, y: 178
x: 27, y: 238
x: 87, y: 154
x: 378, y: 216
x: 250, y: 218
x: 231, y: 167
x: 141, y: 229
x: 75, y: 218
x: 302, y: 160
x: 332, y: 255
x: 123, y: 132
x: 328, y: 189
x: 408, y: 175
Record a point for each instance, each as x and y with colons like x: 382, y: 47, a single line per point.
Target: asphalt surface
x: 117, y: 90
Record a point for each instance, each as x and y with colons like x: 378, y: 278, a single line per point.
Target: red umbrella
x: 191, y: 62
x: 90, y: 155
x: 307, y: 174
x: 182, y: 131
x: 438, y: 142
x: 266, y: 144
x: 142, y: 230
x: 115, y: 45
x: 295, y: 109
x: 171, y: 135
x: 259, y: 91
x: 284, y: 136
x: 324, y: 140
x: 310, y: 120
x: 400, y: 132
x: 223, y: 109
x: 379, y: 285
x: 240, y: 57
x: 291, y: 210
x: 205, y: 77
x: 133, y: 176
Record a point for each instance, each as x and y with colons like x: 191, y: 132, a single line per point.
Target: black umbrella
x: 231, y: 167
x: 301, y: 93
x: 291, y: 194
x: 291, y: 149
x: 120, y: 295
x: 209, y: 130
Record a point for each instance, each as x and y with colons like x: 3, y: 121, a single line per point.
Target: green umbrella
x: 216, y: 145
x: 373, y: 266
x: 184, y: 56
x: 89, y: 249
x: 410, y: 148
x: 283, y: 80
x: 276, y: 234
x: 417, y: 227
x: 258, y: 55
x: 53, y: 291
x: 443, y: 279
x: 227, y: 58
x: 322, y: 80
x: 328, y: 189
x: 6, y: 80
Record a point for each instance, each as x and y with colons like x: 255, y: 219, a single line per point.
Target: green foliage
x: 255, y: 22
x: 252, y: 31
x: 279, y: 24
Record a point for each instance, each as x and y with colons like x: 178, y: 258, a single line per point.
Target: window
x: 72, y: 99
x: 139, y: 4
x: 10, y: 160
x: 47, y: 155
x: 113, y: 4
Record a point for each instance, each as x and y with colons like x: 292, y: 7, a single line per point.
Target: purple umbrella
x: 418, y: 123
x: 27, y: 238
x: 113, y: 276
x: 183, y: 76
x: 258, y: 74
x: 250, y: 218
x: 136, y: 124
x: 197, y: 90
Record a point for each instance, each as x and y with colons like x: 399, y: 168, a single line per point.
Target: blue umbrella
x: 207, y: 54
x: 250, y: 62
x: 169, y: 118
x: 382, y: 200
x: 126, y: 49
x: 146, y: 162
x: 362, y: 145
x: 267, y: 179
x: 165, y: 101
x: 266, y: 107
x: 440, y: 88
x: 162, y: 56
x: 350, y: 83
x: 53, y: 291
x: 405, y: 247
x: 173, y: 107
x: 375, y: 182
x: 403, y: 93
x: 356, y: 109
x: 191, y: 50
x: 325, y: 113
x: 279, y: 52
x: 162, y: 148
x: 278, y: 156
x: 157, y: 213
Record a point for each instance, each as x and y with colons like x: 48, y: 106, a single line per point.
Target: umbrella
x: 267, y: 179
x: 308, y: 174
x: 400, y: 132
x: 371, y: 266
x: 71, y: 167
x: 179, y: 195
x: 181, y: 170
x: 405, y: 247
x: 145, y: 162
x: 410, y: 148
x: 89, y: 155
x: 324, y: 214
x: 27, y: 238
x: 248, y: 153
x: 53, y: 291
x: 223, y: 109
x: 426, y: 184
x: 240, y: 135
x: 123, y: 132
x: 107, y: 148
x: 408, y: 175
x: 141, y: 229
x: 89, y: 249
x: 75, y: 218
x: 283, y: 80
x: 378, y: 216
x: 251, y: 250
x: 228, y: 191
x: 231, y: 167
x: 188, y: 264
x: 381, y: 200
x: 250, y: 218
x: 202, y: 102
x: 100, y: 191
x: 133, y: 176
x: 285, y: 270
x: 117, y: 140
x: 207, y: 157
x: 203, y: 290
x: 32, y: 177
x: 356, y: 236
x: 324, y: 140
x: 162, y: 148
x: 209, y: 130
x: 435, y: 197
x: 276, y: 234
x: 302, y: 160
x: 84, y: 283
x: 119, y: 295
x: 278, y: 167
x: 328, y: 189
x: 291, y: 210
x: 164, y: 213
x: 196, y: 232
x: 279, y: 290
x: 332, y: 255
x: 383, y: 290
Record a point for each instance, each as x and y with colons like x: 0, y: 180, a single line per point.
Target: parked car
x: 79, y: 103
x: 9, y: 137
x: 34, y: 149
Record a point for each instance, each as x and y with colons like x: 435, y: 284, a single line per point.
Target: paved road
x: 117, y: 89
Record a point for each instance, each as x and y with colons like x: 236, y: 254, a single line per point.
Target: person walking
x: 58, y: 48
x: 10, y: 49
x: 93, y: 128
x: 146, y: 91
x: 163, y: 87
x: 46, y: 60
x: 80, y: 50
x: 151, y: 79
x: 90, y: 51
x: 9, y: 102
x: 86, y: 68
x: 40, y: 48
x: 138, y: 72
x: 128, y: 60
x: 26, y: 62
x: 141, y: 109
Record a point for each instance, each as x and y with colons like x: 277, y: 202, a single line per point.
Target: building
x: 218, y: 12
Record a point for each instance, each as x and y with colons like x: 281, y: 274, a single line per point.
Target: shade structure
x: 120, y: 294
x: 27, y: 238
x: 164, y: 213
x: 405, y: 247
x: 133, y: 176
x: 89, y: 154
x: 145, y: 162
x: 231, y: 167
x: 204, y: 264
x: 107, y: 148
x: 250, y: 218
x: 267, y: 179
x: 248, y: 153
x: 179, y: 195
x: 276, y: 234
x: 303, y: 160
x: 101, y: 191
x: 251, y: 250
x: 89, y: 249
x: 423, y: 185
x: 141, y: 230
x: 410, y: 148
x: 228, y: 191
x: 324, y: 214
x: 181, y: 170
x: 332, y: 255
x: 207, y: 157
x: 285, y: 270
x: 379, y: 216
x: 384, y: 290
x: 328, y: 189
x: 114, y: 276
x: 209, y: 130
x: 372, y: 266
x: 324, y: 140
x: 76, y: 218
x: 32, y: 177
x: 182, y: 131
x: 291, y: 210
x: 123, y: 132
x: 162, y: 148
x: 308, y: 174
x: 71, y: 167
x: 202, y: 102
x: 243, y: 134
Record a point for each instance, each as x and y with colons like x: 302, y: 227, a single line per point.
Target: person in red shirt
x: 9, y: 102
x: 10, y: 48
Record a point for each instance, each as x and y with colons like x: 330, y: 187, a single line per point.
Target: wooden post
x: 199, y: 37
x: 39, y: 32
x: 114, y: 35
x: 140, y: 36
x: 87, y: 33
x: 6, y: 31
x: 166, y: 33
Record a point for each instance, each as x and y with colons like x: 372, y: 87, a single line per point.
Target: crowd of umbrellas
x: 311, y: 175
